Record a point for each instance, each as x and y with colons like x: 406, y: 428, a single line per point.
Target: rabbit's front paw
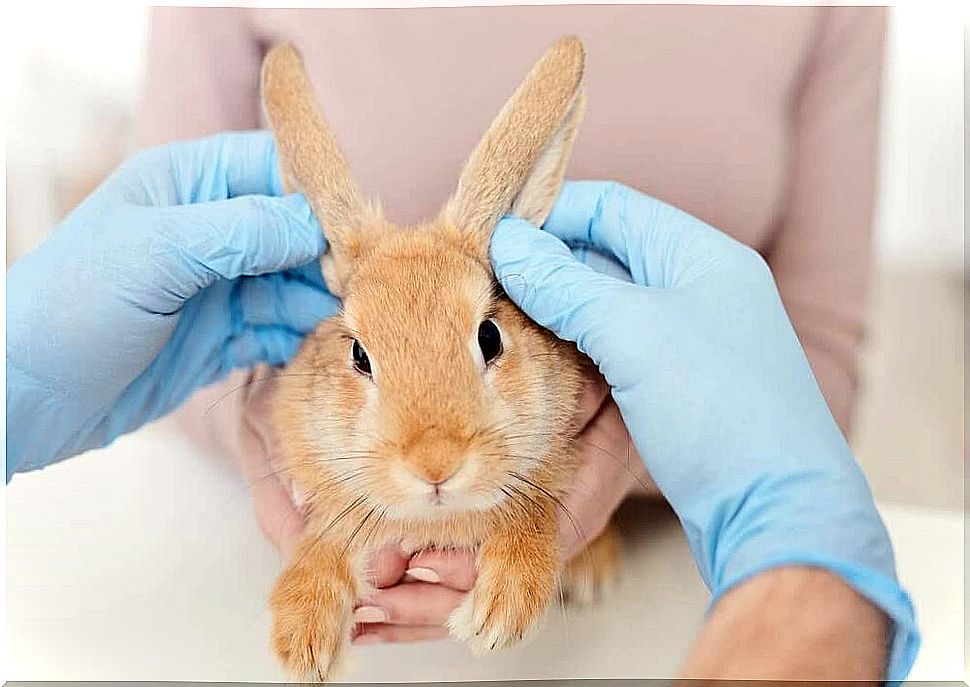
x: 311, y: 624
x: 501, y: 609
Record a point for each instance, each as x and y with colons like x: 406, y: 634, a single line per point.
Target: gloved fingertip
x: 519, y: 252
x: 300, y: 207
x: 320, y: 308
x: 310, y: 242
x: 311, y: 274
x: 266, y: 139
x: 602, y: 263
x: 579, y: 205
x: 514, y: 238
x: 270, y: 345
x: 248, y: 159
x: 281, y: 349
x: 259, y: 145
x: 514, y: 223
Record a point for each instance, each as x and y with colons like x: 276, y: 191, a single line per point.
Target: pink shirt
x: 761, y: 121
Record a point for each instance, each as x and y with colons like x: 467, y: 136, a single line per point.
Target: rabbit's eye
x: 361, y: 361
x: 489, y: 340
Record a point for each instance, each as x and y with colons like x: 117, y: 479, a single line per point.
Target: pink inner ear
x: 538, y: 194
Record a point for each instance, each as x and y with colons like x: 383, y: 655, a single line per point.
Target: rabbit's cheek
x: 475, y: 487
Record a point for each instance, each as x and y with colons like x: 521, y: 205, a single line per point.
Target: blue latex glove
x: 144, y: 293
x: 714, y: 388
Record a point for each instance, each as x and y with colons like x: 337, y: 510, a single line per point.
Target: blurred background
x: 73, y: 89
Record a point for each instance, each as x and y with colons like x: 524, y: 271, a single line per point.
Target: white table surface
x: 143, y: 562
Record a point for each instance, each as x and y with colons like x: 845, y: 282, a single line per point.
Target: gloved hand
x: 714, y: 388
x: 147, y: 291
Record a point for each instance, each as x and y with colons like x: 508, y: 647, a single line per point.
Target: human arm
x: 820, y: 253
x: 791, y: 624
x: 163, y: 280
x: 201, y: 74
x: 719, y: 398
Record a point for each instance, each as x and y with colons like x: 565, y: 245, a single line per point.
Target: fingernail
x: 424, y: 574
x: 369, y: 638
x: 370, y: 614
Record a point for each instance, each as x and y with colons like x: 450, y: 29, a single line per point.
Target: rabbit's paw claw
x: 494, y: 616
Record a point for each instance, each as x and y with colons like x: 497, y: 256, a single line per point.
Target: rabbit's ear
x: 519, y: 165
x: 311, y: 162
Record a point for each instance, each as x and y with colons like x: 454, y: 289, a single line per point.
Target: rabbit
x: 431, y: 408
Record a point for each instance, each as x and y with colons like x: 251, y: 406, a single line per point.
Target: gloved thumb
x: 540, y: 274
x: 247, y: 235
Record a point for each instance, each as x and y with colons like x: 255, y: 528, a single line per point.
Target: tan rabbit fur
x: 434, y: 444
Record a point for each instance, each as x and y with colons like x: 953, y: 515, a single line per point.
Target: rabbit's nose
x: 434, y: 458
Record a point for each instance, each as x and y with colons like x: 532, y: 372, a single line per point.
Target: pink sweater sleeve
x: 202, y: 73
x: 821, y: 253
x: 201, y: 78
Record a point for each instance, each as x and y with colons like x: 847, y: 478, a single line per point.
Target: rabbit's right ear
x: 311, y: 162
x: 519, y: 165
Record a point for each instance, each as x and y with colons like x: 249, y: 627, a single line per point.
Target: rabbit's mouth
x: 437, y: 497
x: 459, y: 492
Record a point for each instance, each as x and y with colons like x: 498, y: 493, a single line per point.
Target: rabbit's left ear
x: 519, y: 165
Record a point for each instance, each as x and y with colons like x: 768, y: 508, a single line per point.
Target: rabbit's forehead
x: 405, y: 294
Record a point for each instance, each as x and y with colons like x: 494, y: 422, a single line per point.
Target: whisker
x: 350, y: 476
x: 559, y: 504
x: 363, y: 456
x: 357, y: 529
x: 281, y: 470
x: 562, y: 607
x: 373, y: 529
x: 526, y: 496
x: 585, y: 549
x: 249, y: 382
x: 343, y: 514
x: 617, y: 459
x: 508, y: 491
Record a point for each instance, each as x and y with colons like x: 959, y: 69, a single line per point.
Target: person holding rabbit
x: 709, y: 386
x: 782, y: 525
x: 762, y: 121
